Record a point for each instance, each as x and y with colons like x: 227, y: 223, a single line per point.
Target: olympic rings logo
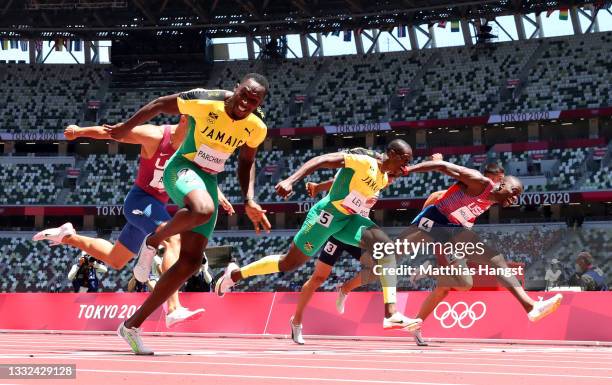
x: 459, y: 314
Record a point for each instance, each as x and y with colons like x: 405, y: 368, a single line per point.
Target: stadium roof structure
x: 98, y: 19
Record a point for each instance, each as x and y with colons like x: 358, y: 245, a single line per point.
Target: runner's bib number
x: 466, y: 215
x: 356, y: 203
x: 210, y: 160
x: 157, y: 182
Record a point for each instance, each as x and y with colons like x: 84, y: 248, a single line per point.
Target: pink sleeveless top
x: 151, y: 171
x: 461, y: 208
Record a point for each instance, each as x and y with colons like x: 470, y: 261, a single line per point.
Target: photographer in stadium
x: 84, y: 275
x: 588, y: 276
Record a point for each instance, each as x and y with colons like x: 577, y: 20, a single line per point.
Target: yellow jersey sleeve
x: 260, y: 130
x: 196, y: 102
x: 357, y: 162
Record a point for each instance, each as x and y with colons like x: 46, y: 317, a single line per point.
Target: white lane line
x: 325, y: 356
x: 98, y: 358
x: 454, y: 372
x: 286, y: 348
x: 292, y: 378
x: 208, y: 341
x: 284, y: 354
x: 361, y: 368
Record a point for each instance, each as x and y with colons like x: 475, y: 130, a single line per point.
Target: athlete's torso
x: 357, y: 185
x: 151, y: 171
x: 462, y: 208
x: 212, y: 135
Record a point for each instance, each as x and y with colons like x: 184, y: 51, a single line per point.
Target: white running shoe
x: 225, y: 283
x: 340, y: 300
x: 182, y: 314
x: 543, y: 308
x: 145, y: 256
x: 206, y: 270
x: 400, y: 321
x: 296, y: 332
x: 56, y: 234
x: 132, y: 337
x: 418, y: 338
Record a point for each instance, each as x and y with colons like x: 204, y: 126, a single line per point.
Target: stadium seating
x: 600, y: 180
x: 442, y: 83
x: 568, y: 75
x: 27, y: 184
x: 34, y: 266
x: 287, y: 78
x: 29, y: 266
x: 108, y: 180
x: 466, y: 81
x: 47, y: 97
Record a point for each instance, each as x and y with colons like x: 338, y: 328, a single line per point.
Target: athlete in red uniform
x: 455, y: 212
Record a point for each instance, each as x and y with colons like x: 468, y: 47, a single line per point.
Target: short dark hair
x: 399, y: 146
x: 494, y: 168
x: 259, y: 78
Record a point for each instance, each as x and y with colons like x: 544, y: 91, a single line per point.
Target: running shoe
x: 206, y: 270
x: 543, y: 308
x: 296, y: 332
x: 182, y: 314
x: 132, y: 337
x: 56, y: 234
x: 418, y: 338
x: 340, y: 300
x: 225, y: 283
x: 400, y: 321
x: 145, y: 256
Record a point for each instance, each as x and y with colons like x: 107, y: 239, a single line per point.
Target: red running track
x: 106, y: 359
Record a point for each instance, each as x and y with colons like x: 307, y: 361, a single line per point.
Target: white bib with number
x: 157, y: 182
x: 464, y: 216
x: 356, y: 203
x: 210, y: 160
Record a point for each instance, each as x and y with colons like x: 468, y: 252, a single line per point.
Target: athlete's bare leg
x: 320, y: 274
x: 115, y: 256
x: 171, y: 255
x: 199, y: 208
x: 512, y: 283
x: 198, y: 205
x: 351, y: 284
x: 433, y: 299
x: 189, y: 261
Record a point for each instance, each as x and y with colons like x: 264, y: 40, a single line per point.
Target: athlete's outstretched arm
x: 162, y: 105
x: 225, y: 203
x: 314, y: 189
x: 333, y: 160
x: 144, y: 135
x: 246, y: 178
x: 468, y: 176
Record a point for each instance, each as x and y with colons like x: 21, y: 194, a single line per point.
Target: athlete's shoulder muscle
x: 363, y: 151
x: 202, y: 94
x: 260, y: 115
x: 257, y: 127
x: 433, y: 197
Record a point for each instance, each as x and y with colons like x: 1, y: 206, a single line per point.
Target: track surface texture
x: 106, y: 359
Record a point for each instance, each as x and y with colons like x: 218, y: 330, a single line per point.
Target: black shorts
x: 333, y: 248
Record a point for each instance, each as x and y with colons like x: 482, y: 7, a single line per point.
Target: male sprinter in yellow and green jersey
x: 343, y: 213
x: 220, y: 122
